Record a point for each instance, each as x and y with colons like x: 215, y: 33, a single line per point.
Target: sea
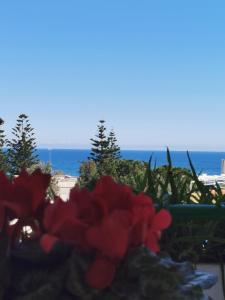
x: 68, y: 161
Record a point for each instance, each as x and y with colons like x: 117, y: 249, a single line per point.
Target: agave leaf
x: 205, y: 196
x: 150, y: 184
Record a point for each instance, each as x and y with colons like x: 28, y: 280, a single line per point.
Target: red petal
x: 73, y: 231
x: 162, y: 220
x: 56, y: 214
x: 2, y: 216
x: 27, y: 193
x: 101, y: 273
x: 111, y: 237
x: 143, y: 200
x: 139, y: 233
x: 60, y: 221
x: 45, y: 178
x: 152, y: 242
x: 39, y: 183
x: 22, y: 178
x: 47, y: 242
x: 143, y: 213
x: 5, y: 187
x: 116, y: 196
x: 88, y: 208
x: 20, y: 201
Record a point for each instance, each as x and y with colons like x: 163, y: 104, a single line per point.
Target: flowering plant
x: 100, y: 244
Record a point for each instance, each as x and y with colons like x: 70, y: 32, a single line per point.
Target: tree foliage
x: 105, y: 159
x: 3, y: 158
x: 21, y: 148
x: 104, y: 146
x: 100, y: 144
x: 114, y: 149
x: 122, y: 170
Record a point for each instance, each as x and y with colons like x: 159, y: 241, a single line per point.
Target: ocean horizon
x: 68, y: 160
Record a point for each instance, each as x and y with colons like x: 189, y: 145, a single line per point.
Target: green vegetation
x: 21, y: 148
x: 3, y: 157
x: 197, y: 232
x: 104, y: 146
x: 122, y: 170
x: 113, y: 148
x: 105, y: 159
x: 194, y: 235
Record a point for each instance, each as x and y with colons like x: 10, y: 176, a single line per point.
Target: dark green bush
x: 122, y: 170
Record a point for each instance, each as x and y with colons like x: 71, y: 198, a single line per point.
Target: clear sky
x: 153, y: 69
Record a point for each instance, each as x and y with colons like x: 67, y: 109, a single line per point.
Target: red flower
x: 60, y: 222
x: 161, y: 221
x: 107, y: 222
x: 147, y: 223
x: 25, y: 194
x: 23, y: 197
x: 114, y: 195
x: 111, y: 236
x: 2, y: 216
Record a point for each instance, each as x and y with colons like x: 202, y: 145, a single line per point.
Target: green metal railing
x: 197, y: 211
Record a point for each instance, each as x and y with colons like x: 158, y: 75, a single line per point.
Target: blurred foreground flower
x: 106, y: 222
x: 101, y: 244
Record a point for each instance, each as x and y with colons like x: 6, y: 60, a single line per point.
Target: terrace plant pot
x: 59, y: 275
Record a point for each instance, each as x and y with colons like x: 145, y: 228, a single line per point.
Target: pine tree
x: 114, y: 149
x: 3, y: 158
x: 22, y: 147
x: 104, y: 146
x: 100, y: 145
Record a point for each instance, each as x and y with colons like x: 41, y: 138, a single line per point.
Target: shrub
x: 121, y: 170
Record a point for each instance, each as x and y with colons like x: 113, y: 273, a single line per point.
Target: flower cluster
x: 24, y: 199
x: 107, y: 222
x: 104, y: 223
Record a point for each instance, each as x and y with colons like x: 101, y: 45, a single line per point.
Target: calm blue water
x: 68, y: 161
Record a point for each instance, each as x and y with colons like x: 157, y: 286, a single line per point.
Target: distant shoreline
x: 68, y: 160
x: 131, y: 150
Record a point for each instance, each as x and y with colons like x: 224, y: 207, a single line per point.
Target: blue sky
x: 153, y: 69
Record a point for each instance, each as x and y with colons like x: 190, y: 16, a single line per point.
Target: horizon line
x: 133, y: 149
